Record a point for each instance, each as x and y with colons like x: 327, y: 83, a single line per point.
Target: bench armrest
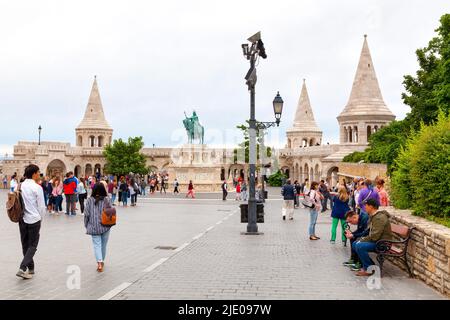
x: 383, y: 246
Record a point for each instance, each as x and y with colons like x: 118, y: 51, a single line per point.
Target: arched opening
x: 369, y: 132
x: 152, y: 170
x: 304, y: 143
x: 77, y: 171
x: 242, y: 174
x: 316, y: 173
x: 332, y: 175
x: 312, y: 142
x: 307, y: 173
x: 98, y: 170
x: 80, y: 141
x: 222, y: 174
x: 56, y: 168
x: 350, y: 135
x: 88, y: 170
x: 100, y: 141
x: 355, y: 129
x: 92, y: 141
x: 375, y: 129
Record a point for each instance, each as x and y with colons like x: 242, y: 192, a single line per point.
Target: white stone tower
x: 365, y: 112
x: 94, y: 131
x: 305, y: 132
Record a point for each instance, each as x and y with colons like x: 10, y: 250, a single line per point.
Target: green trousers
x: 334, y: 228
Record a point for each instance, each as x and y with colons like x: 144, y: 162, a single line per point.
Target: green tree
x: 429, y: 90
x: 125, y: 157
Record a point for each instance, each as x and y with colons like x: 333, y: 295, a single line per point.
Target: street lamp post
x: 39, y: 129
x: 252, y: 52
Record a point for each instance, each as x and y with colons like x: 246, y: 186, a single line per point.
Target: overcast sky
x: 156, y: 59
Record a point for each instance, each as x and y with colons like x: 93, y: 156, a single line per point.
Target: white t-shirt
x: 33, y: 199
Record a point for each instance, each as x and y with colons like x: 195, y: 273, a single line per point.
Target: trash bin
x: 259, y: 213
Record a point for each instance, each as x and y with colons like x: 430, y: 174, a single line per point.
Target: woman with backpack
x: 316, y: 198
x: 93, y: 223
x: 340, y: 208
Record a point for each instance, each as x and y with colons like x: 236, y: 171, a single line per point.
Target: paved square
x: 213, y: 260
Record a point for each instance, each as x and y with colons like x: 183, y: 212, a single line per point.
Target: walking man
x: 70, y: 185
x: 288, y: 193
x: 30, y: 224
x: 175, y: 186
x: 224, y: 190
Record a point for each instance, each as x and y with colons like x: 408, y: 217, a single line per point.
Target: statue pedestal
x: 198, y: 163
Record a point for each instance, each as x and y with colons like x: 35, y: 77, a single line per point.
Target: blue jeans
x: 58, y: 203
x: 113, y: 198
x: 313, y: 213
x: 363, y: 249
x: 124, y: 198
x: 100, y: 242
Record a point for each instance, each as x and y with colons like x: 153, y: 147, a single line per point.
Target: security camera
x: 262, y: 50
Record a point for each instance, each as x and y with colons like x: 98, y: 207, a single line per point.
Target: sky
x: 155, y: 60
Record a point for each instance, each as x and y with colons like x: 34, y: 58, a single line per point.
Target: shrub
x: 276, y: 179
x: 422, y: 180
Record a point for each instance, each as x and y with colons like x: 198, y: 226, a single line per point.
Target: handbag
x: 109, y: 216
x: 307, y: 202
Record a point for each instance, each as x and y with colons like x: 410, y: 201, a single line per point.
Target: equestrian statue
x: 194, y: 129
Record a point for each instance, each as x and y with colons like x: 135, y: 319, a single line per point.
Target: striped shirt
x: 93, y: 216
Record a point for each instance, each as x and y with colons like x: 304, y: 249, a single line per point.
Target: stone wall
x: 368, y: 170
x: 428, y: 250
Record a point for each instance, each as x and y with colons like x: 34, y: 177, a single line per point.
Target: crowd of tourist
x: 354, y: 203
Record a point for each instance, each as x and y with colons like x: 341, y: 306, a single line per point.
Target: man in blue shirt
x: 362, y: 221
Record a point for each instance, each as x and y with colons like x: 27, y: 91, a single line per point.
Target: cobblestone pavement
x: 213, y: 260
x: 281, y: 264
x: 131, y: 247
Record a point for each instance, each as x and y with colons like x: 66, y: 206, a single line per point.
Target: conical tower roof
x: 304, y: 116
x: 94, y: 117
x: 365, y: 98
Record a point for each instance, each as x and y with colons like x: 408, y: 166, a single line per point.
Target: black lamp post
x: 39, y: 129
x: 252, y: 52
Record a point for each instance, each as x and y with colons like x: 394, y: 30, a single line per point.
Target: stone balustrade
x: 310, y: 151
x: 428, y: 250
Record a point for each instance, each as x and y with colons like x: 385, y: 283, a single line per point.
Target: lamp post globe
x: 278, y: 107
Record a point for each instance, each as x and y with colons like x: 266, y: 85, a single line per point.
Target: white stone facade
x: 365, y: 113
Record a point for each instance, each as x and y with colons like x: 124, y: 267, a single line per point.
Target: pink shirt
x: 384, y: 197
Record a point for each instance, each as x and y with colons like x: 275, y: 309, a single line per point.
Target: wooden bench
x: 395, y: 248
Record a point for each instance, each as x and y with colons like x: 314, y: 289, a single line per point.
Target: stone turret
x: 305, y: 131
x: 365, y: 112
x: 94, y: 131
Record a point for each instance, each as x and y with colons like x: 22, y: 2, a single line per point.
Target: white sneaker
x: 24, y: 275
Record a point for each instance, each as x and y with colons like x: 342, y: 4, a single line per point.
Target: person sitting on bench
x: 379, y: 229
x: 361, y: 220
